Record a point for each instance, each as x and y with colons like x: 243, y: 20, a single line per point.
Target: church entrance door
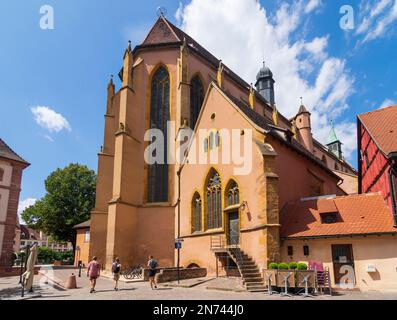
x: 233, y: 228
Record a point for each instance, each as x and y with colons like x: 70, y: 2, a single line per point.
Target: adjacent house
x: 377, y: 154
x: 11, y: 169
x: 340, y: 232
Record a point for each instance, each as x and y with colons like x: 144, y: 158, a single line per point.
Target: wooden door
x: 342, y: 255
x: 233, y: 230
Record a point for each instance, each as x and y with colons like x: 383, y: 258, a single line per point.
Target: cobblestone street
x: 47, y: 290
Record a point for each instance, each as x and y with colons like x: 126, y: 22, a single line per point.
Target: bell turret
x: 265, y: 84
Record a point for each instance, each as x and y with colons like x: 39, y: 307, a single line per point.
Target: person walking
x: 152, y: 264
x: 116, y: 269
x: 93, y: 272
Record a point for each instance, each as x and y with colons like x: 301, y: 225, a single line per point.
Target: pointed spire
x: 251, y: 96
x: 111, y: 81
x: 127, y: 66
x: 219, y: 75
x: 332, y: 135
x: 302, y: 108
x: 111, y: 86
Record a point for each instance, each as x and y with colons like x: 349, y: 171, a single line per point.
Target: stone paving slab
x: 11, y: 290
x: 187, y: 283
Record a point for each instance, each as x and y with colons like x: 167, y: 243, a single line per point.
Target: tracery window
x: 196, y: 213
x: 233, y: 194
x: 196, y: 99
x: 159, y: 116
x: 214, y: 201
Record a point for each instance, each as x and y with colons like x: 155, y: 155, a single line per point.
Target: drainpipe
x: 179, y: 219
x: 392, y: 189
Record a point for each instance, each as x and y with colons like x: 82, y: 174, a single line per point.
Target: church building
x: 141, y: 207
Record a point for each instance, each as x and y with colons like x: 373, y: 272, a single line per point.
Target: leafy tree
x: 69, y: 200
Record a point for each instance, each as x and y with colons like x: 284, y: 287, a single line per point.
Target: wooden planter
x: 280, y: 278
x: 272, y: 274
x: 300, y: 277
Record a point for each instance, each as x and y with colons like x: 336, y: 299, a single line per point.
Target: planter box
x: 272, y: 274
x: 281, y: 274
x: 300, y: 276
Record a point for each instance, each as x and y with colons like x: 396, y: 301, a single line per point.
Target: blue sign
x: 178, y: 245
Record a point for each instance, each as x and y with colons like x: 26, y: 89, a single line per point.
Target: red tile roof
x: 381, y: 124
x: 357, y: 215
x: 7, y: 153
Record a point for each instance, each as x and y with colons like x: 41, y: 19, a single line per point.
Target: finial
x: 161, y: 11
x: 129, y: 44
x: 263, y: 63
x: 301, y: 98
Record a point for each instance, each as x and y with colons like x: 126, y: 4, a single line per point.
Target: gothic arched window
x: 233, y: 194
x: 196, y: 212
x: 159, y: 116
x: 196, y: 99
x: 214, y: 201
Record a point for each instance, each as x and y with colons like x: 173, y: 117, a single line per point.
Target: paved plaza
x: 194, y: 289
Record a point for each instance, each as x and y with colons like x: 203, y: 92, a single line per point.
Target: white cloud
x: 312, y: 4
x: 377, y: 18
x: 49, y: 119
x: 24, y: 204
x: 301, y: 67
x: 388, y: 103
x: 49, y: 138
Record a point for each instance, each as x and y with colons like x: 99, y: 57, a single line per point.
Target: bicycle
x: 134, y: 272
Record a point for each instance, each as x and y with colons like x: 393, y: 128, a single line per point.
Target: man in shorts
x: 93, y: 272
x: 152, y: 264
x: 116, y: 269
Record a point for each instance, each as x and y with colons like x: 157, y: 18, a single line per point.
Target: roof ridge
x: 9, y: 149
x: 381, y: 109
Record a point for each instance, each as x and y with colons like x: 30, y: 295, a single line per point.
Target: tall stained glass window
x: 196, y: 99
x: 159, y: 116
x: 196, y: 213
x: 214, y: 201
x: 233, y: 194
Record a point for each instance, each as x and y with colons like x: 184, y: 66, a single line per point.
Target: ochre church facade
x: 142, y: 208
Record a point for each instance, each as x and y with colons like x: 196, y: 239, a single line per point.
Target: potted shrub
x: 273, y: 266
x: 283, y: 266
x: 301, y: 266
x: 292, y: 265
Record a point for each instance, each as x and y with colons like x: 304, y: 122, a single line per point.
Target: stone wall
x: 171, y: 274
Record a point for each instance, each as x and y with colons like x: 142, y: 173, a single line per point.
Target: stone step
x: 253, y: 282
x: 252, y: 276
x: 257, y: 289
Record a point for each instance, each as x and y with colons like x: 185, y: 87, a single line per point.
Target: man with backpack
x: 116, y: 269
x: 152, y: 264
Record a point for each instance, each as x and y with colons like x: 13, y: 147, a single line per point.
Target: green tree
x: 69, y: 200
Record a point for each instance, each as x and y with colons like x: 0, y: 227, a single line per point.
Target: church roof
x: 302, y: 109
x: 332, y: 136
x: 355, y: 215
x: 274, y: 131
x: 7, y: 153
x: 83, y: 225
x: 264, y: 72
x: 381, y: 124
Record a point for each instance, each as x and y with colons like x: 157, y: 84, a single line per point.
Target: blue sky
x: 67, y: 69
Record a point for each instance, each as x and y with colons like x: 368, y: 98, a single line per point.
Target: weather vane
x: 161, y: 11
